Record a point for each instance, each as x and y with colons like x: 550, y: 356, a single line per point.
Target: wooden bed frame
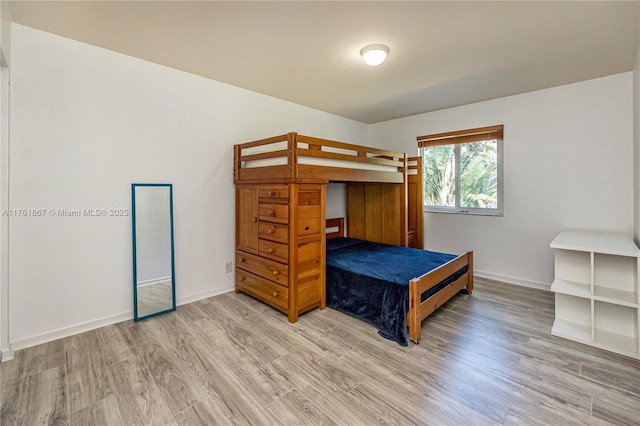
x: 280, y: 213
x: 418, y: 310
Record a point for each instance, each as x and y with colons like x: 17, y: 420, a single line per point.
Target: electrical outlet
x: 227, y: 267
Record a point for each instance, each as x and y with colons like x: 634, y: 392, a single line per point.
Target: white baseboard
x: 190, y: 299
x: 154, y: 281
x: 97, y: 323
x: 70, y: 330
x: 7, y: 355
x: 512, y: 280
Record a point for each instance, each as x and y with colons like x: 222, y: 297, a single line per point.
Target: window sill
x: 465, y: 212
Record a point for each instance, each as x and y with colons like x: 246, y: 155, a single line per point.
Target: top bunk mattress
x: 388, y: 263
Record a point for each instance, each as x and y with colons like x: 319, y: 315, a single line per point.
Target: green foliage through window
x: 461, y: 176
x: 439, y: 175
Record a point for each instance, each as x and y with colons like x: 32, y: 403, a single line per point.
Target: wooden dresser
x: 280, y: 245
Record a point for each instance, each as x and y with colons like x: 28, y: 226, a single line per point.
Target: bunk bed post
x: 293, y: 249
x: 420, y: 203
x: 292, y: 155
x: 236, y: 163
x: 470, y: 271
x: 415, y: 183
x: 404, y: 217
x: 323, y: 248
x: 414, y: 323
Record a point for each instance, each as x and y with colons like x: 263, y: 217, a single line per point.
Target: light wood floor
x: 153, y: 298
x: 486, y: 358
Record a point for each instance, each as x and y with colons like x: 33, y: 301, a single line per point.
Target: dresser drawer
x: 309, y: 257
x: 274, y: 212
x: 264, y: 290
x: 274, y: 232
x: 309, y: 226
x: 304, y: 212
x: 273, y: 250
x: 309, y: 198
x: 263, y: 267
x: 309, y: 292
x: 273, y: 192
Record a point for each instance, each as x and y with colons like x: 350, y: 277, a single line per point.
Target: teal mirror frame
x: 137, y: 316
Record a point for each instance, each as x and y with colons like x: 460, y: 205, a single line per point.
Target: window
x: 463, y: 171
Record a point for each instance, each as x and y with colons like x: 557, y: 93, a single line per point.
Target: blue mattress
x: 371, y: 281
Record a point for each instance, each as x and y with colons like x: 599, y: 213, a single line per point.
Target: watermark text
x: 100, y: 212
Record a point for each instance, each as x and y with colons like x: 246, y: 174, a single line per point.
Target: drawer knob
x: 275, y: 294
x: 270, y: 231
x: 254, y: 219
x: 272, y: 213
x: 306, y: 228
x: 272, y: 193
x: 242, y: 279
x: 275, y: 272
x: 242, y: 260
x: 270, y: 250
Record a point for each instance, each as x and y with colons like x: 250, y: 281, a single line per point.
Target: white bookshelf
x: 596, y: 290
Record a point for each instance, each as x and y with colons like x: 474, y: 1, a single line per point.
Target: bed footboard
x: 419, y: 310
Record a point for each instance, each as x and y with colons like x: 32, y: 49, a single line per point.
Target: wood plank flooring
x: 154, y: 298
x: 485, y: 359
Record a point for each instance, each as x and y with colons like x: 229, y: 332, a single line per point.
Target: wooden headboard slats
x: 335, y: 223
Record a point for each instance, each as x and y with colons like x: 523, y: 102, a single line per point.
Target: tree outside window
x: 462, y: 171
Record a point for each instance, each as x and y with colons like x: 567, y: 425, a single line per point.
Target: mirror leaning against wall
x: 154, y: 290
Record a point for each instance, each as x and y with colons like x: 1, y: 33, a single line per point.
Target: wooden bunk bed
x: 280, y: 217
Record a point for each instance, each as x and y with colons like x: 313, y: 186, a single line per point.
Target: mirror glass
x: 153, y: 267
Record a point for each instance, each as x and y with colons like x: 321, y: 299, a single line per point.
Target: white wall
x: 636, y: 147
x: 337, y: 201
x: 5, y: 61
x: 4, y: 219
x: 5, y: 34
x: 85, y: 124
x: 568, y: 163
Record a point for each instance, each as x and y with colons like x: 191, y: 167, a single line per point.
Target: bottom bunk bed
x: 391, y: 287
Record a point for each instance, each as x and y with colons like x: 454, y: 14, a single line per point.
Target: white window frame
x: 457, y: 209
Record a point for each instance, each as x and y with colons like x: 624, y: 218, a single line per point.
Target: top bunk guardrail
x: 414, y: 166
x: 298, y: 158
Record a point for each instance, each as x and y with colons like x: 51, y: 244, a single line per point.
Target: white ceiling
x: 443, y: 54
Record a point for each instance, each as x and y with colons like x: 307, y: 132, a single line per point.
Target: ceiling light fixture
x: 374, y: 54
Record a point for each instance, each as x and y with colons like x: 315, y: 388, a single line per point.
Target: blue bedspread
x: 370, y: 281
